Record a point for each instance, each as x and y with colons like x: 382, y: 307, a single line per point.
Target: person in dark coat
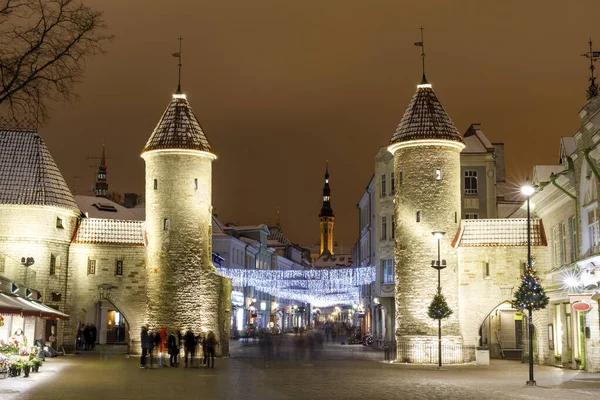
x: 147, y: 344
x: 173, y: 350
x: 93, y: 335
x: 211, y: 347
x: 87, y: 337
x: 179, y: 346
x: 189, y: 344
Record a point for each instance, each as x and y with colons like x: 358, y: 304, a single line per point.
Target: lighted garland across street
x: 319, y: 287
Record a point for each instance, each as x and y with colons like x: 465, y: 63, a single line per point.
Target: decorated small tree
x: 530, y: 294
x: 438, y: 309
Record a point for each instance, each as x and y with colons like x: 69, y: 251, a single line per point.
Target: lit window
x: 387, y: 271
x: 325, y: 198
x: 91, y: 267
x: 59, y: 223
x: 155, y: 184
x: 383, y: 186
x: 166, y: 224
x: 438, y: 174
x: 470, y: 182
x: 119, y: 267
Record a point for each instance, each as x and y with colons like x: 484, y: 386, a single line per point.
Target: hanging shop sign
x: 582, y: 306
x: 237, y: 298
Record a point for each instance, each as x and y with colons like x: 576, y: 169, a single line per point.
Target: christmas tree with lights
x: 438, y: 309
x: 531, y: 294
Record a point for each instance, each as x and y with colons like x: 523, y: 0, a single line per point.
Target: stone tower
x: 426, y: 148
x: 101, y: 187
x: 184, y: 290
x: 326, y: 218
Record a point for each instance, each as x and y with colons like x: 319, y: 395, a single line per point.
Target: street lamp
x: 528, y: 190
x: 439, y: 265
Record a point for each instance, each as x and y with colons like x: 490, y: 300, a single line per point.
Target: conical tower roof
x: 28, y: 174
x: 425, y: 119
x: 178, y: 128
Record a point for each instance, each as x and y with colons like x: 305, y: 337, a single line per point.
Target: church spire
x: 101, y: 187
x: 592, y: 90
x: 326, y: 217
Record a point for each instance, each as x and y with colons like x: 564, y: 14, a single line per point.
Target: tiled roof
x: 100, y: 207
x: 425, y: 118
x: 28, y: 174
x: 499, y: 232
x: 178, y: 128
x: 110, y: 231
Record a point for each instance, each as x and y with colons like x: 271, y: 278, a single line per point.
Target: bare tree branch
x: 43, y: 48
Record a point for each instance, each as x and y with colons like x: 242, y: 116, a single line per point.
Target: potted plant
x: 4, y: 365
x: 15, y: 368
x: 37, y: 363
x: 27, y: 368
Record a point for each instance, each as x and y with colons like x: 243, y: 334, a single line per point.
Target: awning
x: 12, y: 305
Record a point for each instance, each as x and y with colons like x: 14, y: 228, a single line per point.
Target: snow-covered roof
x: 499, y: 232
x: 178, y: 128
x: 541, y: 173
x: 333, y: 261
x: 568, y: 145
x: 28, y: 174
x: 276, y: 237
x: 110, y: 231
x: 101, y: 207
x: 476, y: 142
x: 425, y: 118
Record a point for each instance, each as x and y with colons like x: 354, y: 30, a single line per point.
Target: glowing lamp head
x: 438, y: 235
x: 571, y: 282
x: 527, y: 189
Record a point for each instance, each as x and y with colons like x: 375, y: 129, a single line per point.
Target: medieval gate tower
x: 426, y: 148
x: 183, y: 288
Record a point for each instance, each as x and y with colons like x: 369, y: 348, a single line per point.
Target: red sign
x: 581, y: 306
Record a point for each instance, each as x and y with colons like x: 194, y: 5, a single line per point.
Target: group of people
x: 86, y: 336
x: 172, y: 342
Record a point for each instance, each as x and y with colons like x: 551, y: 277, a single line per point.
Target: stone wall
x: 184, y: 290
x: 126, y: 292
x: 437, y: 203
x: 32, y: 231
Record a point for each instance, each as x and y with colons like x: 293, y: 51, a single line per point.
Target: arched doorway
x: 110, y: 325
x: 502, y: 332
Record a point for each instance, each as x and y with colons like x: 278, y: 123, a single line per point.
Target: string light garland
x: 319, y: 287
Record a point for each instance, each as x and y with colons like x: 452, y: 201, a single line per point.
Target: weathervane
x: 593, y: 56
x: 422, y: 45
x: 178, y: 54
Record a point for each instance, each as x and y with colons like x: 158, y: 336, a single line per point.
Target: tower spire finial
x: 179, y: 65
x: 592, y: 90
x: 278, y: 220
x: 421, y: 44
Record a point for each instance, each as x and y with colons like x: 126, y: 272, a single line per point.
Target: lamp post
x: 528, y: 190
x: 439, y: 265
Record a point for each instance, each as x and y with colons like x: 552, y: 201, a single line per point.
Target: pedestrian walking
x: 93, y: 335
x: 189, y: 344
x: 152, y: 340
x: 179, y: 346
x: 146, y: 341
x: 211, y: 346
x: 203, y: 342
x: 87, y: 337
x: 173, y: 349
x: 162, y: 341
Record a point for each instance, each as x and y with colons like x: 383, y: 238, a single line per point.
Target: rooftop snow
x: 178, y: 128
x: 110, y: 231
x: 425, y: 118
x: 499, y: 232
x: 28, y: 174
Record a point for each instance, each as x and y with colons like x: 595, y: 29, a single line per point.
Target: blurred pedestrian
x: 211, y: 347
x: 146, y: 345
x: 173, y: 349
x: 162, y: 341
x: 189, y: 344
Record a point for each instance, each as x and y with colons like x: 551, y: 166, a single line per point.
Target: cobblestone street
x: 340, y: 372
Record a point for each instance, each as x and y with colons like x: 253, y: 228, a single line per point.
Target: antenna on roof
x: 421, y: 44
x: 592, y: 90
x: 178, y: 55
